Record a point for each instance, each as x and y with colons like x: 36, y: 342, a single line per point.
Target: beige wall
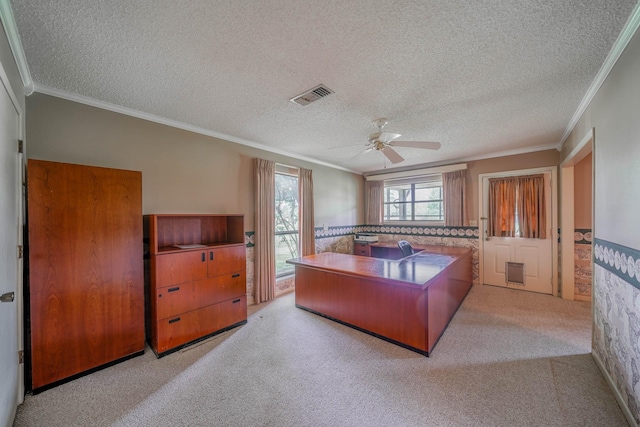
x: 613, y: 114
x: 582, y: 193
x: 182, y: 172
x: 500, y: 164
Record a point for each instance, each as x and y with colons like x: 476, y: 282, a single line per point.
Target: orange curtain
x: 521, y: 199
x: 531, y: 207
x: 502, y: 207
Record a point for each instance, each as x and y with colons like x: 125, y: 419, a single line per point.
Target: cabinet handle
x: 236, y: 300
x: 235, y: 275
x: 211, y: 256
x: 177, y: 319
x: 177, y: 288
x: 202, y: 256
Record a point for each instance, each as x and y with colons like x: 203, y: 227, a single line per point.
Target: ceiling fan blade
x: 387, y: 137
x: 417, y: 144
x: 392, y: 155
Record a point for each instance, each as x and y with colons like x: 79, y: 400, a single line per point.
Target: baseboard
x: 623, y: 405
x: 582, y: 298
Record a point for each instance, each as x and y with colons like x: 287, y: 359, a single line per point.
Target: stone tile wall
x: 616, y: 304
x: 582, y: 263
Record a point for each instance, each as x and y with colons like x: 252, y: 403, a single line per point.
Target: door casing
x: 16, y: 200
x: 567, y: 242
x: 554, y: 218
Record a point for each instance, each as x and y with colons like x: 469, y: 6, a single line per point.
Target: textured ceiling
x: 480, y: 77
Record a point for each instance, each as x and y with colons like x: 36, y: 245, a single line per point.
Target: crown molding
x: 491, y: 155
x: 9, y: 24
x: 619, y: 46
x: 176, y: 124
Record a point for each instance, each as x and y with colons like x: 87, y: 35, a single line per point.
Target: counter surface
x: 417, y: 269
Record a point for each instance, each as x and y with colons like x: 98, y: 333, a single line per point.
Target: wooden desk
x: 408, y: 302
x: 388, y: 250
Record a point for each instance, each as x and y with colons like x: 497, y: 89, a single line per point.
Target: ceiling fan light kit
x: 383, y: 141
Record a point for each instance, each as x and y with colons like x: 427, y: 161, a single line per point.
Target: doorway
x: 528, y: 264
x: 576, y: 216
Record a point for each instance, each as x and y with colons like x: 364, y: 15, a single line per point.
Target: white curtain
x: 374, y: 206
x: 265, y: 225
x: 307, y: 224
x: 453, y: 186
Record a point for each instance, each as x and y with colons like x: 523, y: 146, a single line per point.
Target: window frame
x: 413, y: 181
x: 289, y: 269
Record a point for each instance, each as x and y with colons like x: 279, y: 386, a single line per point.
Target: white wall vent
x: 312, y: 95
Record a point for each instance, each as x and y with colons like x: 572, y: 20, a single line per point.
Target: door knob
x: 8, y: 297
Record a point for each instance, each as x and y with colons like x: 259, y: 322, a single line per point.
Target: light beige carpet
x: 508, y: 358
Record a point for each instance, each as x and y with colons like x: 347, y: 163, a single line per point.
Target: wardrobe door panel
x: 85, y: 268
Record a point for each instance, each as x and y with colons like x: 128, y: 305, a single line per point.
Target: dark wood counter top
x: 417, y: 269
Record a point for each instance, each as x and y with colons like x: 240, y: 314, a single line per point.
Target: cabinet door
x: 230, y: 259
x: 86, y: 271
x: 176, y: 268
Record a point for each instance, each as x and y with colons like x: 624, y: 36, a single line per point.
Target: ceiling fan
x: 384, y: 141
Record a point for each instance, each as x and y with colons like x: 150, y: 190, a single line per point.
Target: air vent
x: 312, y: 95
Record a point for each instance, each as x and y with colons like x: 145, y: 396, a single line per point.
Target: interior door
x: 535, y: 255
x: 10, y: 203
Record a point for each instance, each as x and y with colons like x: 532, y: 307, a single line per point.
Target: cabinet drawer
x: 175, y: 331
x: 176, y: 268
x: 226, y: 260
x: 227, y: 286
x: 360, y: 249
x: 176, y: 299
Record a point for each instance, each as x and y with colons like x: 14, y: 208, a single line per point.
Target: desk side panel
x: 445, y: 295
x: 382, y: 308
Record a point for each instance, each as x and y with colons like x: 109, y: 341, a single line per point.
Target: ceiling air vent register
x: 312, y: 95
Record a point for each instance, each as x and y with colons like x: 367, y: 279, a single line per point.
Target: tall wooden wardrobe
x: 86, y: 290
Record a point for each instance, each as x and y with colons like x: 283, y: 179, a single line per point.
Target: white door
x: 10, y: 202
x: 534, y: 254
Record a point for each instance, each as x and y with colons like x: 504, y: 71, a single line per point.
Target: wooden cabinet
x: 197, y: 278
x: 85, y: 287
x: 362, y: 249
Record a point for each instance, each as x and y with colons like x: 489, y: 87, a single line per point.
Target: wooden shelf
x: 198, y: 291
x: 166, y: 230
x: 205, y: 246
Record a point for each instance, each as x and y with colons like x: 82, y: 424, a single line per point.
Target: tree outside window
x: 287, y: 235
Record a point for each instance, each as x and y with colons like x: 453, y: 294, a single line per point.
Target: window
x: 286, y: 215
x: 418, y: 199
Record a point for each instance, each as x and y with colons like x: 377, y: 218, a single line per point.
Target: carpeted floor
x: 508, y: 358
